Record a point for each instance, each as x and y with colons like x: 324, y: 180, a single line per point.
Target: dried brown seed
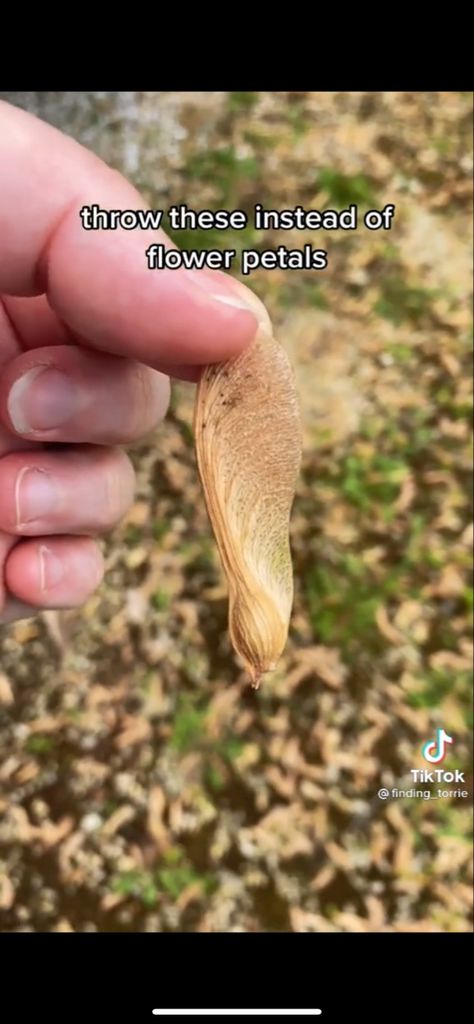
x: 248, y: 446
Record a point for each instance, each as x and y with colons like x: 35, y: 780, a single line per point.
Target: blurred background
x: 143, y: 785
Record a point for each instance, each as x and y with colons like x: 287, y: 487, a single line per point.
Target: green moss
x: 204, y: 560
x: 173, y: 855
x: 442, y: 144
x: 343, y: 600
x: 146, y: 681
x: 214, y: 778
x: 39, y: 744
x: 390, y: 252
x: 231, y: 748
x: 160, y: 528
x: 341, y: 608
x: 297, y: 117
x: 225, y: 169
x: 401, y: 353
x: 75, y: 714
x: 400, y: 302
x: 262, y: 141
x: 188, y: 726
x: 439, y: 684
x: 344, y: 189
x: 178, y: 873
x: 174, y: 880
x: 133, y: 535
x: 376, y: 480
x: 141, y: 885
x: 462, y: 411
x: 302, y: 293
x: 242, y: 102
x: 161, y: 600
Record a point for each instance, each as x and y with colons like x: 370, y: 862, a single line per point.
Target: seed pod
x: 248, y: 447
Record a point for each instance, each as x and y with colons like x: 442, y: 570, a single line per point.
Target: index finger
x: 98, y: 281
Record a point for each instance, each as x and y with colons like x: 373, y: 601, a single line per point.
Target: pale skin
x: 89, y: 338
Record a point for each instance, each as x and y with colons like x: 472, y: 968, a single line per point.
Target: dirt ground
x: 143, y: 785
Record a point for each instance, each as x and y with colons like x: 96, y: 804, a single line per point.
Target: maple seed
x: 249, y: 456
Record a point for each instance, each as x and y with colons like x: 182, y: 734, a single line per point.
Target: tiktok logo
x: 434, y: 751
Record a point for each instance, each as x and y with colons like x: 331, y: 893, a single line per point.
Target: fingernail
x: 218, y: 289
x: 42, y: 399
x: 234, y: 293
x: 36, y: 495
x: 51, y: 569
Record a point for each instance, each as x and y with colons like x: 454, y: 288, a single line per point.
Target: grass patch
x: 224, y: 169
x: 188, y: 726
x: 177, y: 875
x: 297, y: 117
x: 343, y: 600
x: 242, y: 102
x: 214, y: 778
x: 160, y: 528
x: 160, y: 600
x: 141, y: 885
x: 365, y: 482
x: 204, y: 561
x: 439, y: 684
x: 344, y: 189
x: 39, y: 744
x: 400, y: 353
x: 231, y: 748
x: 462, y: 411
x: 133, y: 535
x: 400, y: 302
x: 174, y: 880
x: 302, y: 293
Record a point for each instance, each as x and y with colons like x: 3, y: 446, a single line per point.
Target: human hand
x: 88, y: 340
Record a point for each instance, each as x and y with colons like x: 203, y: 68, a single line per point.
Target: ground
x: 143, y: 785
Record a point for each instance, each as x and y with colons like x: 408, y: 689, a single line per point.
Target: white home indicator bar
x: 237, y: 1013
